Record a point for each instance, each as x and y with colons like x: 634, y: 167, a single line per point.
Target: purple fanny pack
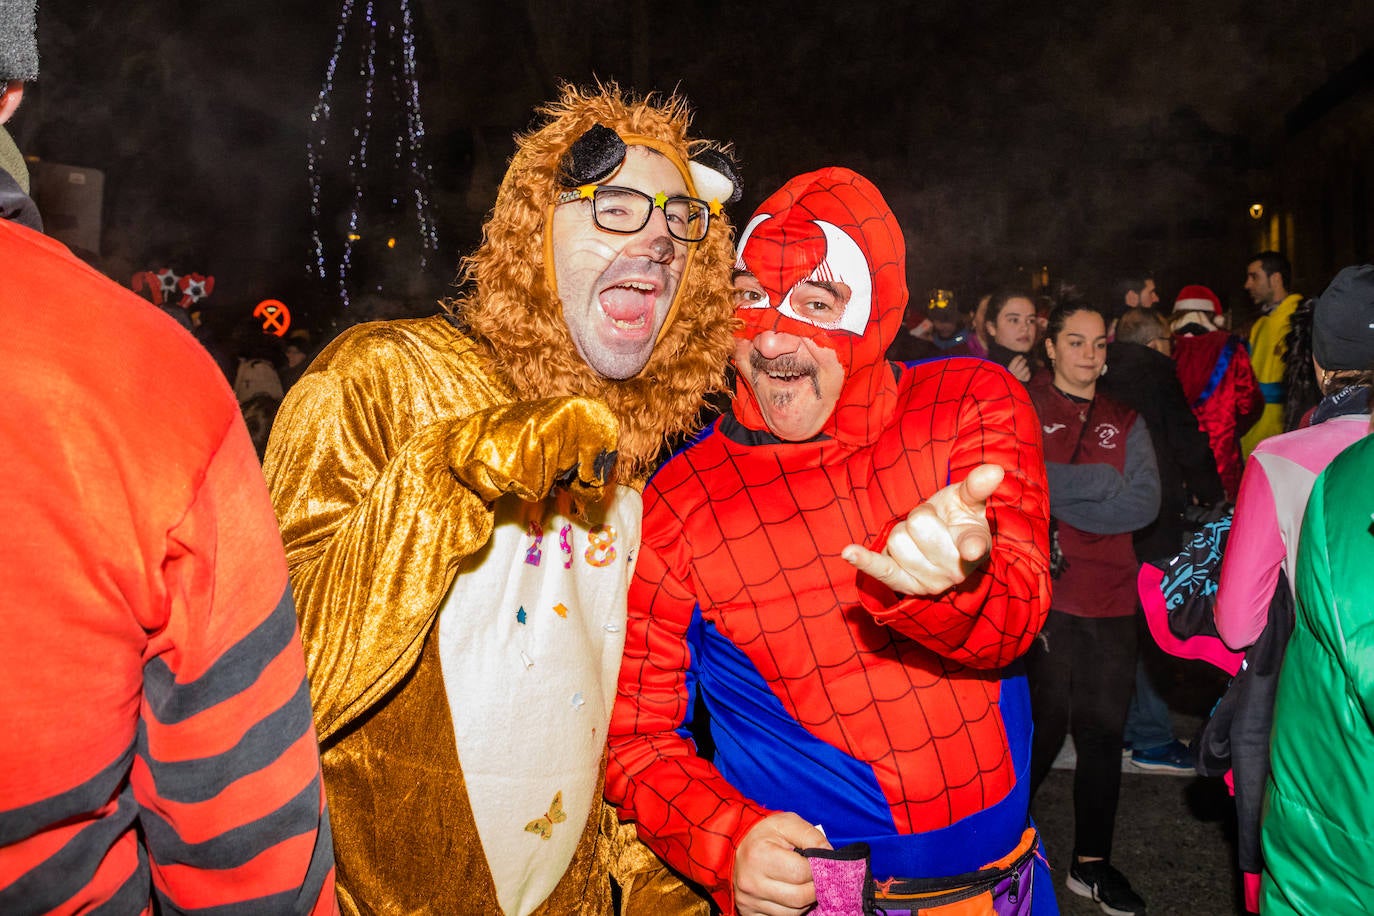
x: 845, y: 886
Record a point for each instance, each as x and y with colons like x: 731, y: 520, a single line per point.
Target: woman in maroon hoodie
x: 1103, y: 485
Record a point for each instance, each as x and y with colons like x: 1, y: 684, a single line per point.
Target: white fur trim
x: 1195, y: 305
x: 1194, y: 316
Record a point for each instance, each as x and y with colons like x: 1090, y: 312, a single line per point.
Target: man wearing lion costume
x: 460, y: 501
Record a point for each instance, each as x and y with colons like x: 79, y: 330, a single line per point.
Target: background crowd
x: 1236, y: 413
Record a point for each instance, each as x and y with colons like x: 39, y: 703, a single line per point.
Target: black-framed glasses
x: 626, y: 210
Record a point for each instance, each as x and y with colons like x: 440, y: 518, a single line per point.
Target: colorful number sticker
x: 535, y: 553
x: 600, y: 546
x: 565, y: 544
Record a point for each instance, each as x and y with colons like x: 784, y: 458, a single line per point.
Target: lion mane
x: 512, y: 310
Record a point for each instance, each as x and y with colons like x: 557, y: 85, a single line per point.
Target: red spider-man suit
x: 883, y: 718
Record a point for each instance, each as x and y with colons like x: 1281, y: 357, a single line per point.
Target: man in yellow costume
x: 1267, y: 276
x: 460, y: 501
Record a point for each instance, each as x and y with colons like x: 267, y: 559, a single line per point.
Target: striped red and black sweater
x: 158, y: 749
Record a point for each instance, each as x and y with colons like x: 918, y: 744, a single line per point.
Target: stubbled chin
x: 787, y: 421
x: 785, y: 403
x: 619, y: 336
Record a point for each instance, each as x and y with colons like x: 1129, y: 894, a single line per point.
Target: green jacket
x: 1318, y: 826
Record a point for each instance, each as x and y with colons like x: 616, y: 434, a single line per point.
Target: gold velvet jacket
x: 376, y: 526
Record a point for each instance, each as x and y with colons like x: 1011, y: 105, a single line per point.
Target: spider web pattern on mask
x: 787, y: 248
x: 752, y: 534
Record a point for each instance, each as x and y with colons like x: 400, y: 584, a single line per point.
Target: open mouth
x: 785, y: 370
x: 629, y: 305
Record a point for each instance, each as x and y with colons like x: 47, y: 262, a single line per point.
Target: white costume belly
x: 530, y: 641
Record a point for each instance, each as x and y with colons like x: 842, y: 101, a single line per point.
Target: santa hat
x: 1196, y: 303
x: 1197, y: 299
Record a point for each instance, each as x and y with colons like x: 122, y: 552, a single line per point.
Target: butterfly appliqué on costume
x: 543, y: 825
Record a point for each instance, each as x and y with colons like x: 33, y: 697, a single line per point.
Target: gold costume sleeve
x: 373, y: 519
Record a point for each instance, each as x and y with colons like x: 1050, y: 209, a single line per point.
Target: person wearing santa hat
x: 1217, y: 378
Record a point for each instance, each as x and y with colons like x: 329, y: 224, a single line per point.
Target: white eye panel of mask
x: 844, y: 263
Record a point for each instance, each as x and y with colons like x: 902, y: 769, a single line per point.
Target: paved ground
x: 1174, y: 834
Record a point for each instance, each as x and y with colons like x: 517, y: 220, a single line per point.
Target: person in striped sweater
x: 159, y: 752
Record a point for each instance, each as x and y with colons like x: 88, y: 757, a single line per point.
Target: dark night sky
x: 1004, y: 134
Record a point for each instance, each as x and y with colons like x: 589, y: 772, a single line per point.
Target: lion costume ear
x: 716, y: 176
x: 592, y: 157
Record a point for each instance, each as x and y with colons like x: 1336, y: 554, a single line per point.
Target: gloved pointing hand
x: 529, y: 447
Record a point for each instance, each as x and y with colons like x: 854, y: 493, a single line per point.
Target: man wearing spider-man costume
x: 842, y: 568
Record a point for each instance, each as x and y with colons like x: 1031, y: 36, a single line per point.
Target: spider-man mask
x: 831, y: 230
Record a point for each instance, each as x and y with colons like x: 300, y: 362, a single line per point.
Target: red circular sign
x: 275, y: 316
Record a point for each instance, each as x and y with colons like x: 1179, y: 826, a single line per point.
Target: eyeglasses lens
x: 628, y: 210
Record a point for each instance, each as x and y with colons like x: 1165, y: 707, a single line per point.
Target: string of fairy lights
x: 376, y: 52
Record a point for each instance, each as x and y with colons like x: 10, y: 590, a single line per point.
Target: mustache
x: 786, y: 364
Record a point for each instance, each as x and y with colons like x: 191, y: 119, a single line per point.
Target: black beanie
x: 1343, y: 321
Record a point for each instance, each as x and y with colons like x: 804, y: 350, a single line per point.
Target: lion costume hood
x: 512, y: 306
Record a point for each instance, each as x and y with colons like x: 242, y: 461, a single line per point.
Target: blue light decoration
x: 374, y: 51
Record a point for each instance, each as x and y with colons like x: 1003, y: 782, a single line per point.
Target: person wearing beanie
x: 1343, y: 329
x: 1267, y: 278
x: 1266, y: 537
x: 18, y: 63
x: 1218, y: 380
x: 159, y: 753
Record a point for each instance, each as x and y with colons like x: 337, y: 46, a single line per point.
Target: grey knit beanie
x: 18, y: 40
x: 1343, y: 321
